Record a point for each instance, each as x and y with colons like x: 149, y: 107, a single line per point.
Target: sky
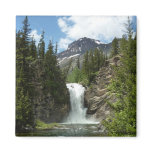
x: 66, y: 29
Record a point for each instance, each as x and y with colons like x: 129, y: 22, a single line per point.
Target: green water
x: 68, y: 130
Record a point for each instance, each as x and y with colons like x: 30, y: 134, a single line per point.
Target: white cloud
x: 35, y: 35
x: 103, y: 28
x: 62, y: 22
x: 63, y: 43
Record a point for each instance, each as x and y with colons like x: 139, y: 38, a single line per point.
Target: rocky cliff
x: 46, y: 107
x: 97, y: 96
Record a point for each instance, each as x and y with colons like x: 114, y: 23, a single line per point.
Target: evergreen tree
x: 101, y: 58
x: 123, y: 43
x: 128, y: 27
x: 56, y: 48
x: 115, y: 47
x: 124, y: 86
x: 91, y: 63
x: 95, y: 56
x: 78, y: 63
x: 41, y: 46
x: 66, y: 70
x: 97, y: 59
x: 106, y: 56
x: 54, y: 81
x: 33, y: 50
x: 85, y: 67
x: 42, y: 71
x: 24, y: 88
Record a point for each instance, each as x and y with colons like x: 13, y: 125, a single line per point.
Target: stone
x: 98, y: 98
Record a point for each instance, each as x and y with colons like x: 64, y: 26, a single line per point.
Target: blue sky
x: 40, y: 23
x: 66, y: 29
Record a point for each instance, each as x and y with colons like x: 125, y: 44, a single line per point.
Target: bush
x: 42, y: 125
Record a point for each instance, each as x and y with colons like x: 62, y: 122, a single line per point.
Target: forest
x: 37, y: 72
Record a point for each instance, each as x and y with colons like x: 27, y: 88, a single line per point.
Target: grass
x: 42, y: 125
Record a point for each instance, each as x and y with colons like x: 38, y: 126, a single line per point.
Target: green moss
x: 42, y: 125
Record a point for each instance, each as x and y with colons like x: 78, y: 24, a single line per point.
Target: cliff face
x: 46, y: 107
x: 97, y: 96
x: 49, y: 110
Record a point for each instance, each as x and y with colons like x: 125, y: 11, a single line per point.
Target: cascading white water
x: 78, y: 112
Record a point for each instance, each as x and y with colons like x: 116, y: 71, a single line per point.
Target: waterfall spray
x: 78, y: 111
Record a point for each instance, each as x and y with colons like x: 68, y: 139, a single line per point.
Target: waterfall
x: 78, y: 112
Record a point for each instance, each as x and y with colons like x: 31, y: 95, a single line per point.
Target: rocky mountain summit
x: 81, y: 45
x: 97, y: 96
x: 77, y: 49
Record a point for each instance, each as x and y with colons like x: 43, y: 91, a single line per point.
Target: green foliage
x: 33, y: 50
x: 66, y: 69
x: 77, y: 76
x: 115, y: 47
x: 78, y: 63
x: 42, y: 125
x: 53, y: 81
x: 41, y: 46
x: 123, y: 44
x: 31, y: 69
x: 24, y: 75
x: 123, y: 123
x: 92, y: 62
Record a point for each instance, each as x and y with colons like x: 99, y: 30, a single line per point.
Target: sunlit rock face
x: 97, y: 98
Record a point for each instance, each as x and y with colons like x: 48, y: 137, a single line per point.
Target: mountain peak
x: 77, y: 49
x: 83, y: 44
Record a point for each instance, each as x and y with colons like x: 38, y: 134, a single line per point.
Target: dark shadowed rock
x: 46, y: 107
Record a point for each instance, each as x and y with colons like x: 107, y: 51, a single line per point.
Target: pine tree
x: 101, y: 58
x: 54, y: 82
x: 66, y: 70
x: 24, y: 77
x: 78, y: 63
x: 41, y: 46
x: 31, y: 70
x: 56, y: 48
x: 85, y: 67
x: 123, y: 43
x: 124, y: 86
x: 91, y: 63
x: 97, y: 59
x: 33, y: 50
x: 128, y: 27
x: 115, y: 47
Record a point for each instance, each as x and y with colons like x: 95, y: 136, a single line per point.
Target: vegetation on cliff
x: 123, y: 85
x: 93, y: 61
